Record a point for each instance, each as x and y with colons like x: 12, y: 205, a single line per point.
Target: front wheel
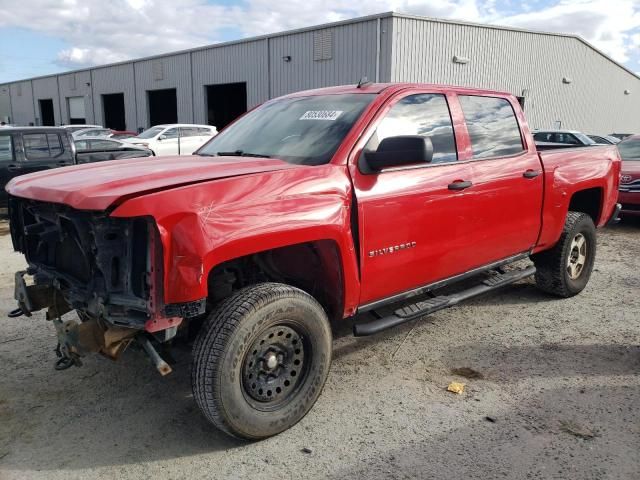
x: 565, y: 269
x: 261, y: 360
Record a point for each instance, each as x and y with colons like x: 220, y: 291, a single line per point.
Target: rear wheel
x: 261, y: 360
x: 565, y: 269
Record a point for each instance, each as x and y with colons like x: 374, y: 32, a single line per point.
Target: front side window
x: 424, y: 114
x: 492, y: 126
x: 6, y: 148
x: 171, y: 133
x: 299, y: 130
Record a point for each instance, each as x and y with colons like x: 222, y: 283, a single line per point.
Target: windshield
x: 152, y: 132
x: 300, y: 130
x: 629, y: 149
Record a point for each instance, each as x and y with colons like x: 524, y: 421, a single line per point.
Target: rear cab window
x: 38, y: 146
x: 492, y: 125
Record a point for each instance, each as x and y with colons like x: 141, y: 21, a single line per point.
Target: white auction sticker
x: 321, y: 115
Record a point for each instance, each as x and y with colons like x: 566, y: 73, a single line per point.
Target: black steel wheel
x: 261, y: 360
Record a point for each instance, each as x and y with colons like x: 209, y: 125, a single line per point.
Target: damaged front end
x: 107, y: 269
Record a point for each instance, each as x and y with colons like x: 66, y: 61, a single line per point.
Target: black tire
x: 274, y: 320
x: 554, y: 275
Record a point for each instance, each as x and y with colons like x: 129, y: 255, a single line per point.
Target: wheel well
x: 587, y: 201
x: 314, y: 267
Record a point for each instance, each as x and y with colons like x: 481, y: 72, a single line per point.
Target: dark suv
x: 29, y: 149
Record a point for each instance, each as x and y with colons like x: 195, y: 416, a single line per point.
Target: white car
x: 174, y: 139
x: 75, y: 127
x: 93, y: 132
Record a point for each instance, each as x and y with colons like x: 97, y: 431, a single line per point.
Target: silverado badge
x: 392, y: 249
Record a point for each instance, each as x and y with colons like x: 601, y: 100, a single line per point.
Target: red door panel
x: 508, y: 205
x: 414, y: 230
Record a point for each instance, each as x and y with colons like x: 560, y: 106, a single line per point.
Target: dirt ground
x: 558, y: 397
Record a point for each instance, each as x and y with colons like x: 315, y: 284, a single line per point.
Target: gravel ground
x: 558, y: 397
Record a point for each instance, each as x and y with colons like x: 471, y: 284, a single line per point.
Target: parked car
x: 630, y: 179
x: 310, y: 208
x: 74, y: 128
x: 175, y: 139
x: 30, y: 149
x: 605, y: 139
x: 99, y: 149
x: 570, y: 138
x: 93, y: 132
x: 122, y: 134
x: 621, y: 136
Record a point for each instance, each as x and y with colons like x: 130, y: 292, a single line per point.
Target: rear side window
x: 188, y: 132
x: 492, y: 126
x: 42, y: 145
x: 6, y: 148
x: 423, y: 114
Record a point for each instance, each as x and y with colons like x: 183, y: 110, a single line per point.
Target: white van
x: 174, y: 139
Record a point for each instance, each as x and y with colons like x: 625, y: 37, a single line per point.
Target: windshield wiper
x: 240, y: 153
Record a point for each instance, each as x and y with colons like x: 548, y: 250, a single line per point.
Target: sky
x: 39, y: 37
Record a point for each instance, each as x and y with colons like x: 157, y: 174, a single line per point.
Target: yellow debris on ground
x: 456, y: 387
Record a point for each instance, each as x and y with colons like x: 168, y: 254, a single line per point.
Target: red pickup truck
x: 310, y: 208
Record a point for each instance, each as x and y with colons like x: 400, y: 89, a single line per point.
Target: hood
x: 630, y: 171
x: 97, y: 186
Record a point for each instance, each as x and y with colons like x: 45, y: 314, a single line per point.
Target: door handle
x: 14, y: 168
x: 459, y: 185
x: 531, y: 173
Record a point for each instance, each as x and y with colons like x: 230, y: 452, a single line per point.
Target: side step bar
x: 431, y: 305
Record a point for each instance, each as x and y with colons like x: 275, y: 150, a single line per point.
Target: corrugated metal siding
x: 5, y: 103
x: 47, y: 88
x: 516, y: 61
x: 354, y: 57
x: 171, y: 71
x: 22, y: 103
x: 115, y: 79
x: 242, y: 62
x: 76, y: 85
x: 386, y: 47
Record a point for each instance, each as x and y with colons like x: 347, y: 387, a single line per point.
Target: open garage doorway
x: 47, y: 118
x: 113, y: 109
x: 225, y: 103
x: 163, y: 106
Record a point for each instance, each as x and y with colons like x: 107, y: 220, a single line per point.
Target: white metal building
x: 563, y: 80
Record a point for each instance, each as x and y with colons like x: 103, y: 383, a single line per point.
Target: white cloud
x: 603, y: 23
x: 100, y: 31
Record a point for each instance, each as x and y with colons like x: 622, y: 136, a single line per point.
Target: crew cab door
x: 506, y: 176
x: 414, y: 228
x: 190, y: 140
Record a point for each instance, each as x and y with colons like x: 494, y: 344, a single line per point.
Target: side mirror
x: 162, y: 137
x: 399, y: 151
